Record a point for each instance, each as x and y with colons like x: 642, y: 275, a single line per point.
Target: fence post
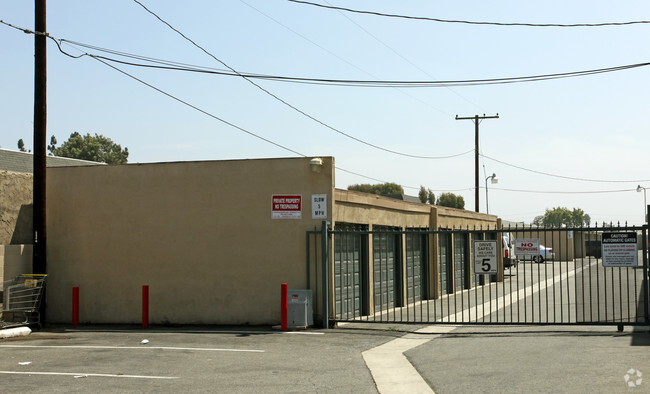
x: 325, y: 262
x: 75, y: 306
x: 283, y: 306
x: 145, y: 306
x: 646, y: 279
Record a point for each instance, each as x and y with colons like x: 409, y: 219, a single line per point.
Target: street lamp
x: 645, y: 204
x: 493, y: 180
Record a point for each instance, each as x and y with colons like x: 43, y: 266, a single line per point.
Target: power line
x: 197, y: 108
x: 400, y: 55
x: 98, y: 58
x: 563, y: 191
x: 290, y: 105
x: 229, y: 123
x: 176, y: 66
x: 563, y: 176
x: 423, y: 18
x: 340, y: 58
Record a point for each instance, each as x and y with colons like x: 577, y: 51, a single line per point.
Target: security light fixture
x: 493, y: 179
x: 316, y: 164
x: 645, y: 204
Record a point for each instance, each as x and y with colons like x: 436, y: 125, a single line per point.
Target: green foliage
x: 422, y: 194
x: 426, y: 196
x: 21, y: 145
x: 93, y: 148
x: 383, y: 189
x: 561, y: 216
x: 451, y: 200
x: 431, y: 198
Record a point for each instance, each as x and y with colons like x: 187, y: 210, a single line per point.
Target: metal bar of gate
x: 573, y: 287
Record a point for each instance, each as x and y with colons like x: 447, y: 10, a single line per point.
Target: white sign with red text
x: 527, y: 246
x: 286, y: 206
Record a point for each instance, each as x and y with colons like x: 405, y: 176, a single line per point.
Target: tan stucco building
x: 213, y: 240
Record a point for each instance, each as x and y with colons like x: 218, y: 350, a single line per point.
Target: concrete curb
x: 15, y: 332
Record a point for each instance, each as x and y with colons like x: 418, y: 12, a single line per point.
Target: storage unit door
x: 443, y: 253
x: 383, y: 247
x: 460, y: 258
x: 347, y: 274
x: 414, y: 265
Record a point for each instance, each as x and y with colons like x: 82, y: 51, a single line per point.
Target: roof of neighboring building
x: 16, y: 161
x: 404, y: 197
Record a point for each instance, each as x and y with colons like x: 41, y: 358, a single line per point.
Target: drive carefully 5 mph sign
x: 486, y: 260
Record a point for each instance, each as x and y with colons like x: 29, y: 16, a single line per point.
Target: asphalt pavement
x: 448, y: 359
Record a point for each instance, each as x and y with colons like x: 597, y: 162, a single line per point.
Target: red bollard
x: 283, y: 307
x: 145, y: 306
x: 75, y: 306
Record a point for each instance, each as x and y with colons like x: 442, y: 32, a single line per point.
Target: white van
x: 509, y: 257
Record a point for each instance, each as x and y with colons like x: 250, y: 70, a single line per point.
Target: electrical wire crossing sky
x: 376, y: 86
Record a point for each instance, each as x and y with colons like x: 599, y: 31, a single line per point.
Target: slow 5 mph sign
x: 486, y: 260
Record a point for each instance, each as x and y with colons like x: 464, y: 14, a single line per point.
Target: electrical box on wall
x: 299, y: 308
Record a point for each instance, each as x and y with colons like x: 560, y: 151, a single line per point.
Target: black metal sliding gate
x: 393, y: 275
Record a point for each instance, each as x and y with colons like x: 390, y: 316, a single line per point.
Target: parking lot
x: 195, y: 360
x: 246, y: 360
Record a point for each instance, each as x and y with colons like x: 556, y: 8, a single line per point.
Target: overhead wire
x: 221, y: 119
x: 291, y: 105
x: 562, y: 191
x: 563, y: 176
x: 177, y: 66
x: 390, y: 48
x: 467, y: 22
x: 340, y: 58
x: 105, y: 62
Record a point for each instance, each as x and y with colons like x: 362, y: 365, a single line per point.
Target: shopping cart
x: 21, y: 300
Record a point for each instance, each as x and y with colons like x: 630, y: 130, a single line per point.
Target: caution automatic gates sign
x: 486, y: 258
x: 620, y: 249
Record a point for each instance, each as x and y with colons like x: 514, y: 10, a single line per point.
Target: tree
x: 431, y: 198
x: 93, y: 148
x: 52, y: 145
x: 561, y: 216
x: 451, y: 200
x: 539, y: 220
x: 21, y: 145
x: 383, y: 189
x: 426, y: 196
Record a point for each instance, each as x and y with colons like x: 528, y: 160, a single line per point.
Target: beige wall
x: 15, y: 208
x: 15, y: 260
x: 200, y: 234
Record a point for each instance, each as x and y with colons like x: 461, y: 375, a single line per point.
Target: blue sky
x: 593, y: 127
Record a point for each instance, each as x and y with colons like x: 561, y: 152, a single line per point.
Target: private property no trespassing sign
x: 286, y: 206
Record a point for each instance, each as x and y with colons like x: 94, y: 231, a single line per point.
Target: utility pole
x: 476, y: 119
x: 40, y: 130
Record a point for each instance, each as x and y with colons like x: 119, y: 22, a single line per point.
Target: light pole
x: 494, y: 180
x: 645, y: 204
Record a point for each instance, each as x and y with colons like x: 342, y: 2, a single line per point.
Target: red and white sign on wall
x: 286, y: 206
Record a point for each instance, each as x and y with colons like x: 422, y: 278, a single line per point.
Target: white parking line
x: 84, y: 375
x: 144, y: 347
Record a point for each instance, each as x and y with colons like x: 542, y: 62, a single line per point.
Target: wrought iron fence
x: 395, y: 275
